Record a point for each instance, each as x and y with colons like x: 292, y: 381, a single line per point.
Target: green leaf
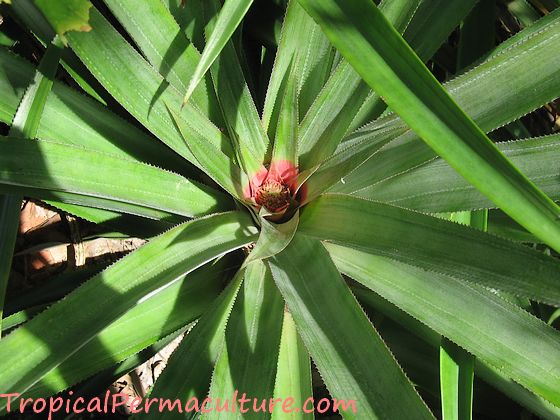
x: 31, y: 17
x: 527, y: 61
x: 433, y: 244
x: 140, y: 88
x: 42, y: 165
x: 159, y: 37
x: 336, y: 106
x: 197, y: 353
x: 94, y: 203
x: 368, y: 41
x: 293, y: 376
x: 243, y: 121
x: 15, y: 76
x: 304, y: 48
x: 67, y: 15
x: 24, y: 126
x: 190, y: 17
x: 286, y: 138
x: 215, y: 163
x: 103, y: 380
x: 324, y: 126
x: 436, y: 187
x: 114, y: 224
x: 460, y: 311
x: 68, y: 325
x: 425, y: 37
x: 30, y: 110
x: 339, y: 337
x: 430, y: 27
x: 97, y: 128
x: 93, y: 126
x: 228, y: 20
x: 152, y: 319
x: 487, y: 373
x: 456, y: 376
x: 350, y: 154
x: 273, y: 238
x: 248, y: 360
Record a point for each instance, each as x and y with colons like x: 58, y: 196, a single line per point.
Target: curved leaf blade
x: 344, y: 94
x: 516, y: 78
x: 24, y: 126
x: 433, y: 244
x: 363, y: 35
x: 229, y: 18
x: 42, y: 165
x: 293, y: 376
x: 339, y: 337
x: 146, y: 323
x: 487, y: 373
x: 241, y: 115
x: 273, y: 238
x: 140, y: 89
x: 161, y: 40
x: 460, y: 311
x: 436, y: 187
x: 311, y: 59
x: 197, y: 354
x: 249, y: 356
x: 65, y: 327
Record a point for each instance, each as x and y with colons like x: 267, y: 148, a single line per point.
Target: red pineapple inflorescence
x: 274, y: 188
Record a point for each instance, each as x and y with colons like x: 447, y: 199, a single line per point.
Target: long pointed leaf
x: 273, y: 238
x: 197, y: 354
x: 60, y: 331
x: 456, y: 368
x: 239, y: 110
x: 350, y: 355
x: 229, y: 18
x: 433, y: 244
x: 146, y: 323
x: 24, y: 125
x: 460, y: 311
x: 71, y: 118
x: 247, y: 363
x: 516, y: 78
x: 159, y: 37
x: 293, y: 377
x: 286, y: 138
x: 345, y: 92
x: 488, y: 374
x: 143, y: 91
x: 309, y: 59
x: 436, y: 187
x: 215, y: 163
x: 411, y: 90
x: 54, y: 167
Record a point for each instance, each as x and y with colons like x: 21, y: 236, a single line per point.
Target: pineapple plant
x: 337, y: 196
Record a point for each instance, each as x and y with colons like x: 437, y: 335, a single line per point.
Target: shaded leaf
x: 65, y: 327
x: 228, y: 20
x: 460, y: 311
